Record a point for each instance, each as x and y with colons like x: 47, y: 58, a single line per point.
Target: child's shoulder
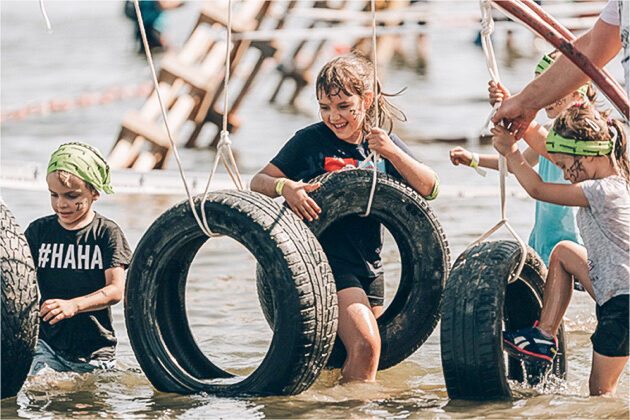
x: 105, y: 222
x: 42, y: 221
x: 609, y: 191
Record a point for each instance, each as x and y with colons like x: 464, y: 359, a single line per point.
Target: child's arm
x: 418, y: 175
x: 459, y: 155
x: 272, y: 182
x: 535, y: 136
x: 562, y: 194
x: 55, y: 310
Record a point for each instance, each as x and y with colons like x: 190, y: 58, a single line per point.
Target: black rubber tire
x: 478, y: 305
x: 155, y: 310
x: 20, y: 309
x: 425, y: 257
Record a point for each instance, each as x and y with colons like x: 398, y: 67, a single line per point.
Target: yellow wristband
x: 475, y: 160
x: 280, y: 185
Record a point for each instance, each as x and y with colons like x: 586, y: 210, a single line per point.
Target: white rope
x: 204, y: 227
x: 487, y: 27
x: 373, y: 155
x: 43, y: 10
x: 224, y: 145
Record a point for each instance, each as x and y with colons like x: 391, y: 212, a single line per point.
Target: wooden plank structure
x: 299, y: 65
x: 300, y: 71
x: 191, y: 85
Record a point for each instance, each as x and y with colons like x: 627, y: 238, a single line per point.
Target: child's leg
x: 359, y: 333
x: 567, y: 259
x: 610, y: 345
x: 605, y: 373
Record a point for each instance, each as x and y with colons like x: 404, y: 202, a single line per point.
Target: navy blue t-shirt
x: 72, y: 263
x: 353, y: 245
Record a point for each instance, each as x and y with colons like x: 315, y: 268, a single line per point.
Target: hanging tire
x: 478, y: 305
x: 415, y: 309
x: 20, y: 310
x: 155, y: 310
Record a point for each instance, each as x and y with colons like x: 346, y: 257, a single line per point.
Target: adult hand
x: 295, y: 193
x: 55, y: 310
x: 518, y: 115
x: 379, y: 141
x: 497, y: 92
x: 460, y: 156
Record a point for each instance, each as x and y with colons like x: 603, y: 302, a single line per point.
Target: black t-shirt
x: 72, y: 263
x: 353, y: 244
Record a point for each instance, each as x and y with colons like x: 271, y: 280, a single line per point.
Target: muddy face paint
x: 576, y: 171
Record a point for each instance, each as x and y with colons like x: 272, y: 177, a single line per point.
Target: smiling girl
x: 80, y: 258
x: 592, y: 155
x: 344, y: 138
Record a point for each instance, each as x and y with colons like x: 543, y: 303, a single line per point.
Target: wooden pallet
x: 300, y: 71
x: 191, y: 83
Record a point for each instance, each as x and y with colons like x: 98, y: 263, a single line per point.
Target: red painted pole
x: 558, y: 27
x: 530, y: 18
x: 549, y: 19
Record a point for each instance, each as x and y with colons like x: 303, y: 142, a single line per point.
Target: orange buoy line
x: 82, y: 101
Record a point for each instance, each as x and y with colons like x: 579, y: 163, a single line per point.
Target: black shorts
x: 611, y: 335
x: 374, y: 287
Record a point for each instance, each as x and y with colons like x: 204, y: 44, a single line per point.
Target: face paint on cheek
x: 79, y: 206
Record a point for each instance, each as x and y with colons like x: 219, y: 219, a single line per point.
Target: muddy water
x: 90, y: 50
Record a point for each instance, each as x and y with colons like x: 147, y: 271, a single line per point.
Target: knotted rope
x: 224, y: 142
x: 374, y: 156
x: 487, y: 25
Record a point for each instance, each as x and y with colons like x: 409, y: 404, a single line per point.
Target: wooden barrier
x: 191, y: 83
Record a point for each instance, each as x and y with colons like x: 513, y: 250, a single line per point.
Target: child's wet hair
x: 65, y: 177
x: 584, y: 122
x: 353, y: 74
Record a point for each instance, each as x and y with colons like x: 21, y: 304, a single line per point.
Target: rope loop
x: 374, y: 155
x: 487, y: 27
x: 224, y: 142
x: 487, y: 23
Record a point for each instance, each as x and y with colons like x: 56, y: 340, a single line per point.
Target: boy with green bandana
x: 81, y: 258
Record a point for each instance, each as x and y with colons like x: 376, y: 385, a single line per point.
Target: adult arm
x: 418, y: 175
x: 55, y: 310
x: 600, y: 44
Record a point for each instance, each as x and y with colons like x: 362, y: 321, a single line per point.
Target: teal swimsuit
x: 553, y: 223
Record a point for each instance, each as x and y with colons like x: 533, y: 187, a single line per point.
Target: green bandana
x: 84, y: 161
x: 544, y: 64
x: 547, y: 61
x: 557, y: 144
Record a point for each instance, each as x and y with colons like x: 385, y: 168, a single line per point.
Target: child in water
x: 81, y: 258
x: 552, y: 223
x: 592, y: 154
x: 345, y: 136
